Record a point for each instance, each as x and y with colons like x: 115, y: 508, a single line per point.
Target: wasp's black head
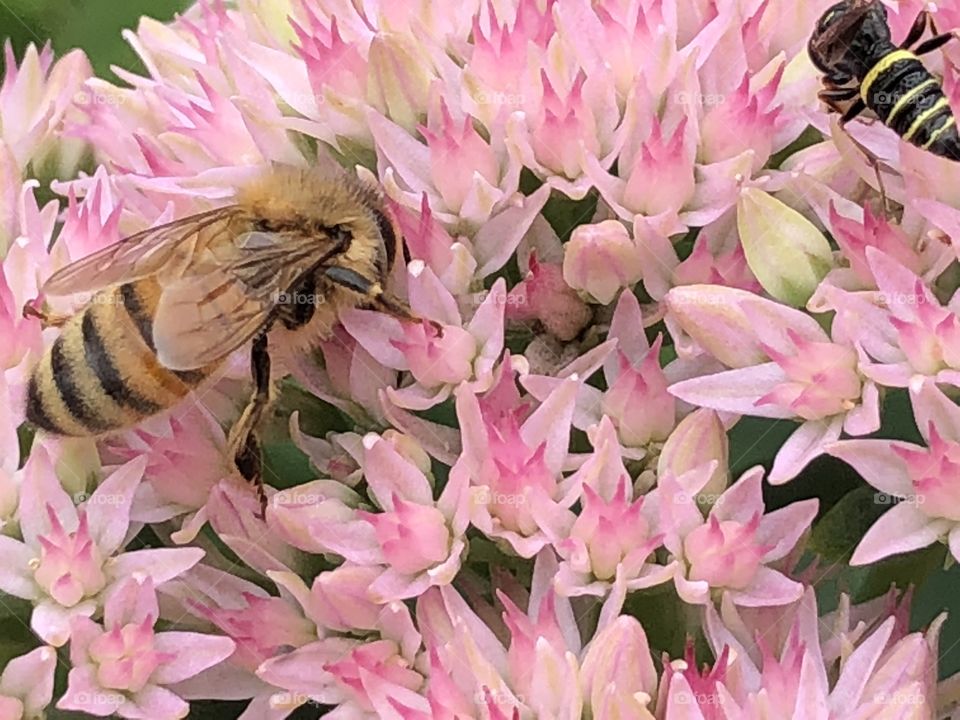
x: 849, y: 38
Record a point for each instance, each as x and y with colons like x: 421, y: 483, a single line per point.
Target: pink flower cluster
x: 632, y: 225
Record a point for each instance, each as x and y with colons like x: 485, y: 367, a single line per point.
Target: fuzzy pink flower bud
x: 399, y: 82
x: 125, y: 656
x: 935, y: 474
x: 601, y: 259
x: 638, y: 401
x: 724, y: 553
x: 457, y: 154
x: 699, y: 438
x: 340, y: 598
x: 436, y: 359
x: 543, y: 295
x: 618, y: 674
x: 70, y: 567
x: 610, y: 530
x: 412, y: 537
x: 823, y: 379
x: 662, y: 175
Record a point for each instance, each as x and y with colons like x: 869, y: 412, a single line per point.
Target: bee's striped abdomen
x: 102, y: 372
x: 909, y: 100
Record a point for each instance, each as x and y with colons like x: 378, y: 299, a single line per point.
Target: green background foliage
x: 93, y: 25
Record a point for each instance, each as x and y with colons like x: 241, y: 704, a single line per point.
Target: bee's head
x: 847, y: 37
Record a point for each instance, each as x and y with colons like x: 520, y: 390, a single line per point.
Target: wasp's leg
x: 916, y: 30
x: 243, y: 444
x: 830, y: 97
x: 836, y: 80
x: 874, y: 162
x: 46, y: 319
x: 858, y: 107
x: 933, y: 43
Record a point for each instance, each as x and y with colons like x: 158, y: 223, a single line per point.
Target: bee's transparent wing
x: 226, y: 297
x: 141, y: 255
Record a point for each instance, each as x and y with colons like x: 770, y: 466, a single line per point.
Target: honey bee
x: 169, y: 304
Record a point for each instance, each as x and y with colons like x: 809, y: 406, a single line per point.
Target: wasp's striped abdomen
x: 102, y: 372
x: 910, y: 101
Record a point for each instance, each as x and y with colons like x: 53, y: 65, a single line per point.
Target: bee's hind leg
x: 243, y: 443
x: 249, y: 462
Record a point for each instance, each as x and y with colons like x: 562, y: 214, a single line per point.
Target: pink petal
x: 487, y: 323
x: 782, y: 528
x: 804, y: 444
x: 499, y: 236
x: 901, y: 529
x: 768, y: 588
x: 693, y: 592
x: 443, y: 616
x: 408, y: 157
x: 735, y: 391
x: 156, y: 703
x: 374, y: 331
x: 865, y: 418
x: 393, y: 585
x: 161, y: 564
x: 30, y: 677
x: 109, y: 507
x: 193, y: 652
x: 302, y: 669
x: 41, y: 488
x: 953, y: 540
x: 52, y: 622
x: 388, y: 472
x: 877, y: 462
x: 930, y: 405
x: 84, y: 694
x: 858, y: 670
x: 430, y: 298
x: 550, y: 424
x: 15, y: 576
x: 742, y: 500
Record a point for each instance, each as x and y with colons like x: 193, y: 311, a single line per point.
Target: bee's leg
x: 249, y: 462
x: 46, y: 319
x: 243, y: 444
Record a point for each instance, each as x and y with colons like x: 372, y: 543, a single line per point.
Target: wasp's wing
x: 228, y: 295
x: 137, y: 256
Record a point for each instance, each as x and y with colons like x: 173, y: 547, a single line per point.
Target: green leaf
x: 565, y: 214
x: 755, y: 441
x: 285, y: 465
x: 941, y: 591
x: 836, y: 535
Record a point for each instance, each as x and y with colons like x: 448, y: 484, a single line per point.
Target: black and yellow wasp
x: 851, y: 45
